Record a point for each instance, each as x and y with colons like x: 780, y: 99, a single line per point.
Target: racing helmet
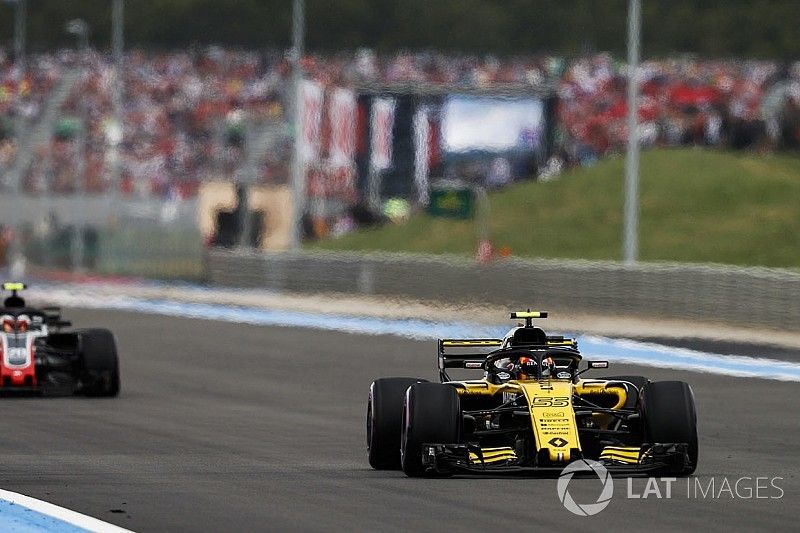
x: 505, y: 368
x: 548, y: 367
x: 527, y: 368
x: 23, y: 323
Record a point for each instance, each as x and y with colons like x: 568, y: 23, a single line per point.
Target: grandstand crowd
x: 185, y: 112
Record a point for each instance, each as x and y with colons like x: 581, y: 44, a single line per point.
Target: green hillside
x: 696, y: 205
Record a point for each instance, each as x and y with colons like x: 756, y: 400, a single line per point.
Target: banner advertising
x: 382, y: 123
x: 421, y: 155
x: 311, y: 98
x: 342, y: 115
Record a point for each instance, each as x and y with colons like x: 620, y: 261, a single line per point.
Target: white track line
x: 65, y: 515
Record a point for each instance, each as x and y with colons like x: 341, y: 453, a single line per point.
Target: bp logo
x: 585, y: 509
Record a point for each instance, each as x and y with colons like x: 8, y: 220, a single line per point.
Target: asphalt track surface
x: 223, y: 427
x: 781, y: 353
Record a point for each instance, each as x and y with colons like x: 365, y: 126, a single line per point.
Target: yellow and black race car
x: 532, y: 412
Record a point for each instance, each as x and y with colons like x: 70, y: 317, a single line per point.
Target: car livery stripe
x: 493, y: 455
x: 25, y: 514
x: 620, y: 458
x: 467, y: 343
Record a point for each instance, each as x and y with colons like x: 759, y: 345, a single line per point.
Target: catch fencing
x: 148, y: 237
x: 762, y: 297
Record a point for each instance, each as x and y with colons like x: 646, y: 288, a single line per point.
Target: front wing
x: 470, y: 459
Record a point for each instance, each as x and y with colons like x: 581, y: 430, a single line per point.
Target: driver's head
x: 504, y: 368
x: 527, y: 368
x: 8, y: 323
x: 548, y: 367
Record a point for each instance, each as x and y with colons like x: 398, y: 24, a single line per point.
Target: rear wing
x: 464, y: 360
x: 555, y: 341
x: 469, y: 343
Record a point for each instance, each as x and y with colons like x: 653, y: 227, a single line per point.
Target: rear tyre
x: 669, y: 415
x: 432, y: 415
x: 384, y: 420
x: 98, y: 353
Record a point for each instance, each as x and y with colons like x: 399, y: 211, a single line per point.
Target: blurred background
x: 293, y: 145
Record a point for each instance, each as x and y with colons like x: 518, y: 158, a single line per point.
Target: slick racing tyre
x: 384, y: 417
x: 637, y: 381
x: 670, y: 417
x: 98, y: 354
x: 431, y: 414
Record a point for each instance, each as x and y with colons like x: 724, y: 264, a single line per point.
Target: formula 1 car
x: 532, y: 413
x: 37, y: 356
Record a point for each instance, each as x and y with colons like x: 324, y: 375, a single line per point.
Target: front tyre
x: 384, y: 419
x: 670, y: 417
x: 431, y: 415
x: 98, y: 354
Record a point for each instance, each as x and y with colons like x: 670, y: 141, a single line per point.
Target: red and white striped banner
x: 311, y: 99
x: 342, y: 115
x: 382, y: 123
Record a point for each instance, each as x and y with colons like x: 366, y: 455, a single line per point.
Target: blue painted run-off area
x: 19, y: 519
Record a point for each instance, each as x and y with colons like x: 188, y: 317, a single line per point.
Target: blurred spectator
x: 683, y: 102
x: 187, y: 113
x: 22, y: 97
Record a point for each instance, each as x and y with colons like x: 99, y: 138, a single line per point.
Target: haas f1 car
x: 37, y: 355
x: 532, y: 413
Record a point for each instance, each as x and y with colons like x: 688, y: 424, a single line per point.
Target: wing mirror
x: 592, y: 365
